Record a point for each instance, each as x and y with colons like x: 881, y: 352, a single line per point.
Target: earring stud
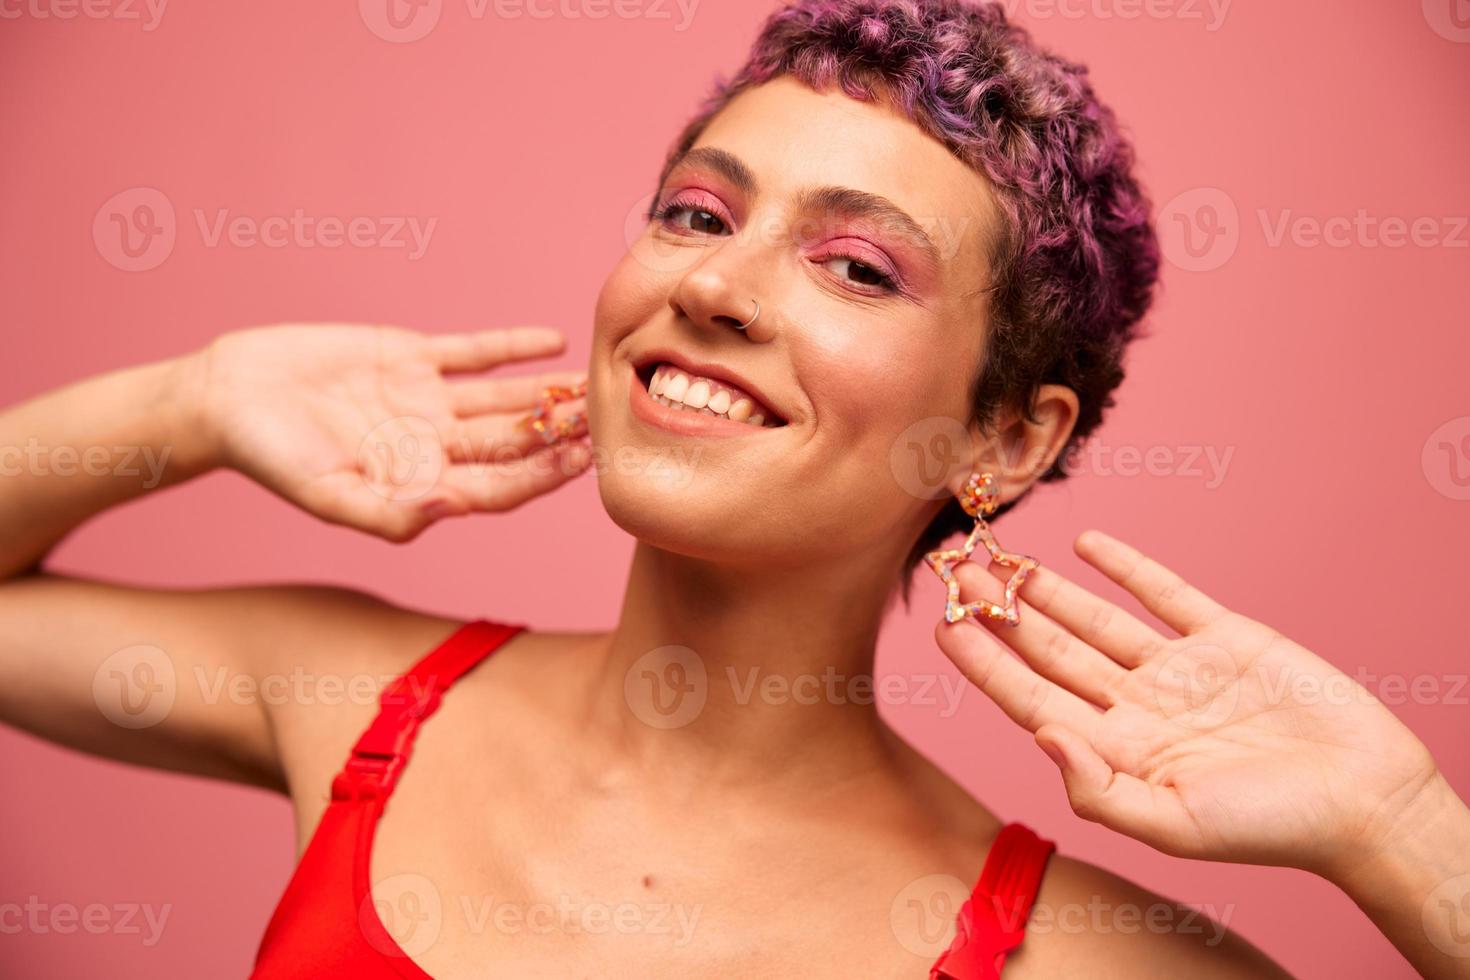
x: 539, y: 421
x: 980, y: 498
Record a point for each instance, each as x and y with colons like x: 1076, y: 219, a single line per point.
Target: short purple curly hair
x: 1076, y: 263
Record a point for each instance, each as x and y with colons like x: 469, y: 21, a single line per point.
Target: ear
x: 1018, y: 450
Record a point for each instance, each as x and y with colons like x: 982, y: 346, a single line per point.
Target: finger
x: 1026, y: 697
x: 480, y: 350
x: 1053, y: 652
x: 505, y: 485
x: 480, y: 396
x: 1122, y: 802
x: 1101, y: 625
x: 502, y: 438
x: 1162, y: 592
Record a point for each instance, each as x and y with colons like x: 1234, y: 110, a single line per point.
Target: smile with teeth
x: 682, y: 391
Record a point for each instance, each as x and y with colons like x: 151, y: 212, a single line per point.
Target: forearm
x: 81, y: 449
x: 1417, y: 889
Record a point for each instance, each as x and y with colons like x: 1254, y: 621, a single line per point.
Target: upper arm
x: 1090, y: 922
x: 202, y: 681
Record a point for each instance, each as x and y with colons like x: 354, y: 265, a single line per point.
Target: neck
x: 746, y: 676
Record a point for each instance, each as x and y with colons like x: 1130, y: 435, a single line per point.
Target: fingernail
x: 1055, y: 752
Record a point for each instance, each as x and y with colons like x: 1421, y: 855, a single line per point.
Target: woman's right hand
x: 367, y: 426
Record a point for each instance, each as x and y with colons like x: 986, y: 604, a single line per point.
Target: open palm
x: 1226, y: 742
x: 369, y: 426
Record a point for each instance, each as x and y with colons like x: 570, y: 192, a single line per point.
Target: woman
x: 898, y: 213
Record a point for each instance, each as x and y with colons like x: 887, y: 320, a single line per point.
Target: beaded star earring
x: 539, y: 421
x: 980, y: 498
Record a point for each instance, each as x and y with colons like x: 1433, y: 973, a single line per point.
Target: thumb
x: 1084, y: 772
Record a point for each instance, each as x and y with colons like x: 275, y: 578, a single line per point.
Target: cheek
x: 878, y: 380
x: 632, y: 292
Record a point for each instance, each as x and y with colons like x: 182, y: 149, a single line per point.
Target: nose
x: 714, y: 295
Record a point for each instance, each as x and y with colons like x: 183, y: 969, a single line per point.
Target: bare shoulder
x: 1090, y: 922
x: 319, y: 662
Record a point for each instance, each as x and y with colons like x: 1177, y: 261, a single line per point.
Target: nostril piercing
x: 742, y: 326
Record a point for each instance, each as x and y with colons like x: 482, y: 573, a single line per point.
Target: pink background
x: 1324, y: 369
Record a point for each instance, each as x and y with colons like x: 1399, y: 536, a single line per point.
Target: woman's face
x: 864, y: 241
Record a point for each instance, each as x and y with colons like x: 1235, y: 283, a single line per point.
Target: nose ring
x: 742, y: 326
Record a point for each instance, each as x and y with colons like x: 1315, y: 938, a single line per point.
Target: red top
x: 327, y: 925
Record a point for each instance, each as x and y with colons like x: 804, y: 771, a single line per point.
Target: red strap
x: 383, y: 749
x: 993, y: 921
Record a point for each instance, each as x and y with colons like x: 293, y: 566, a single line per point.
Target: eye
x: 854, y: 270
x: 688, y: 217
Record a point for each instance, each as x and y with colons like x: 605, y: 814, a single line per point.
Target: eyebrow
x: 845, y: 201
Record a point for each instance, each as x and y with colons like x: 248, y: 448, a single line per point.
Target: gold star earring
x: 539, y: 421
x: 979, y: 498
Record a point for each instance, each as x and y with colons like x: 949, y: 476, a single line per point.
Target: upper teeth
x: 676, y: 389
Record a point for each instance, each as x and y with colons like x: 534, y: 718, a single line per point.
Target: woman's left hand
x: 1228, y: 742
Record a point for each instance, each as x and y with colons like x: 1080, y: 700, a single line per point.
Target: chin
x: 681, y: 502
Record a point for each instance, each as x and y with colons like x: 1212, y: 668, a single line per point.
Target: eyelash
x: 887, y: 282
